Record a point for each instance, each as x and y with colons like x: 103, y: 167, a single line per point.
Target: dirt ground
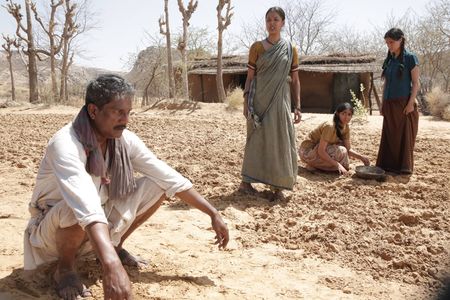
x: 332, y: 238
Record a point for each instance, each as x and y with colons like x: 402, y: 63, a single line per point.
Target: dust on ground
x: 332, y: 238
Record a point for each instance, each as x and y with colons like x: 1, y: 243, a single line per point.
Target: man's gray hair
x: 107, y: 87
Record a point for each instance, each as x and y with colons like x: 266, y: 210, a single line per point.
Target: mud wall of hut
x: 203, y: 87
x: 316, y: 91
x: 321, y: 92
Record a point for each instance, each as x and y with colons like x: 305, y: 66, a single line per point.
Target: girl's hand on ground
x: 341, y: 169
x: 365, y: 161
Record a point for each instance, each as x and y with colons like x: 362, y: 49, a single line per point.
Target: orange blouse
x: 257, y: 49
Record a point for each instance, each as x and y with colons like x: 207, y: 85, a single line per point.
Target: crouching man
x: 86, y: 197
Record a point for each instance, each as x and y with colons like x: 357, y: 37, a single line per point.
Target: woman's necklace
x: 267, y: 40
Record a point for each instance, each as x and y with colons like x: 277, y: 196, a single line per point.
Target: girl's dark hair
x: 278, y: 10
x: 337, y: 122
x: 396, y: 34
x: 105, y: 88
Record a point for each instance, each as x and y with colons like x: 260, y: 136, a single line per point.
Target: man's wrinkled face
x: 110, y: 121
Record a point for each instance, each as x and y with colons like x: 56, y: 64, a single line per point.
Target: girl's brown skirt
x: 398, y: 137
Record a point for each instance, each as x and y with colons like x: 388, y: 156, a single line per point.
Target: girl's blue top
x: 399, y: 86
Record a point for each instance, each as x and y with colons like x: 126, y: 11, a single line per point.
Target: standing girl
x: 270, y: 155
x: 401, y: 118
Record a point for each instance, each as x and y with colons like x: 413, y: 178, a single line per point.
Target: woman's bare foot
x: 69, y: 286
x: 247, y: 188
x: 129, y: 260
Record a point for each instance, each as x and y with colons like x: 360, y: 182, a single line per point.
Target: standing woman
x: 270, y: 152
x: 401, y: 118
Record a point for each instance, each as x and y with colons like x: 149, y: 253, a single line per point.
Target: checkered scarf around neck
x: 119, y: 172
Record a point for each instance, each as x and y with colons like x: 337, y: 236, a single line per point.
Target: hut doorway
x: 342, y: 83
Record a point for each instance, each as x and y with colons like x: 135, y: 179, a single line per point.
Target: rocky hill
x: 152, y: 60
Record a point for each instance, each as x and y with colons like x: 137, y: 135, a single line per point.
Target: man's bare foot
x: 246, y: 188
x: 69, y: 286
x: 129, y: 260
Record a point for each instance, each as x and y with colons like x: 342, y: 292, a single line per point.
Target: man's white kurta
x: 62, y: 176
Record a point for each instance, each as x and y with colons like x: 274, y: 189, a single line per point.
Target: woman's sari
x: 270, y: 155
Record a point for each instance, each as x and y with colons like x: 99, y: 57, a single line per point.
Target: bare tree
x: 183, y: 40
x: 70, y: 31
x: 307, y: 25
x: 55, y: 42
x: 432, y: 45
x: 439, y: 10
x: 291, y: 26
x: 154, y: 72
x: 350, y: 41
x: 164, y: 29
x: 78, y: 18
x: 251, y: 32
x: 200, y: 43
x: 311, y: 22
x: 152, y: 67
x: 438, y: 22
x: 222, y: 23
x: 25, y: 35
x: 9, y: 42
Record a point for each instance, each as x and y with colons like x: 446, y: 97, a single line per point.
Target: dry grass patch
x: 439, y: 103
x: 235, y: 99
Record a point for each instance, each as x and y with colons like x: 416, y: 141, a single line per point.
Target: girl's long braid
x: 337, y: 125
x: 386, y: 62
x: 401, y: 59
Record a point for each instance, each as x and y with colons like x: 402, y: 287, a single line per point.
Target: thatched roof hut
x: 325, y: 80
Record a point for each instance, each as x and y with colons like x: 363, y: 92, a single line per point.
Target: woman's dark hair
x: 396, y: 34
x: 106, y: 88
x: 278, y: 10
x: 337, y: 122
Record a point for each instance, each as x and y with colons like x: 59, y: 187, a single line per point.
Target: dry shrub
x: 235, y: 99
x: 439, y: 103
x: 446, y: 114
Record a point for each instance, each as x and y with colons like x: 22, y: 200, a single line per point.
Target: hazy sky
x: 121, y: 24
